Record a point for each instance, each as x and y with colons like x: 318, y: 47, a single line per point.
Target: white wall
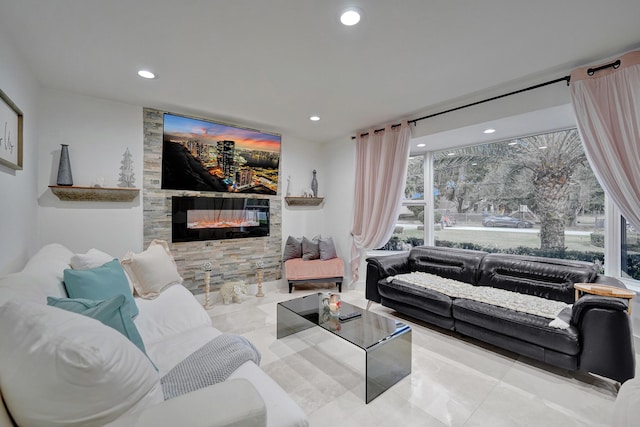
x: 335, y: 166
x: 339, y: 204
x: 98, y: 132
x: 299, y: 158
x: 18, y: 207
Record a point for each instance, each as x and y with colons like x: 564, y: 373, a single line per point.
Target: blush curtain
x: 607, y: 108
x: 381, y: 174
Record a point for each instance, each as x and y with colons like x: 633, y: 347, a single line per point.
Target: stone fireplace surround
x: 233, y: 259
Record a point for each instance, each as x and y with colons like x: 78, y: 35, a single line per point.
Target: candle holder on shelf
x: 207, y: 267
x: 259, y: 267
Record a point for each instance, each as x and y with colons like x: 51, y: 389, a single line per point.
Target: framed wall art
x: 10, y: 133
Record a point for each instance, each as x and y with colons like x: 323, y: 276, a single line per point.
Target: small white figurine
x: 233, y: 291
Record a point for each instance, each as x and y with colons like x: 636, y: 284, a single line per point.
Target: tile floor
x: 455, y: 381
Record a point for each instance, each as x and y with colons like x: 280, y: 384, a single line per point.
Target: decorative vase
x: 64, y: 168
x: 314, y: 184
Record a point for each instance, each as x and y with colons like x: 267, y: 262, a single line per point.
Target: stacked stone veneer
x: 232, y: 259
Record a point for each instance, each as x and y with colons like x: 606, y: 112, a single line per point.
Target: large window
x: 532, y: 195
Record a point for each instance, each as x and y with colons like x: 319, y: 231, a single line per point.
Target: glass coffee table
x: 386, y: 342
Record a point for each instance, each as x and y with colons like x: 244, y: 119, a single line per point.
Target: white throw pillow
x: 153, y: 270
x: 94, y: 258
x: 62, y: 368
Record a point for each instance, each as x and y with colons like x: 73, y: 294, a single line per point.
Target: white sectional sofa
x: 63, y: 368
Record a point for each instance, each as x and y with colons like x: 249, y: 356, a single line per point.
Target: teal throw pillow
x: 113, y: 312
x: 100, y: 283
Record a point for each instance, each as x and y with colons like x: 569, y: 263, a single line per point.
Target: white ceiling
x: 271, y: 64
x: 518, y: 125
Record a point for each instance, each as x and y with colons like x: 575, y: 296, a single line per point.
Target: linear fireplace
x: 216, y: 218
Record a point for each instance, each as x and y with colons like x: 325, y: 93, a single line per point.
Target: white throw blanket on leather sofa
x: 499, y: 297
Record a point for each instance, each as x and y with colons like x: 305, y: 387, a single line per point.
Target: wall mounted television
x: 202, y: 155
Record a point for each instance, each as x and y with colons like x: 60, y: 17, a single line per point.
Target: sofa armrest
x: 381, y: 267
x: 233, y: 403
x: 588, y: 302
x: 606, y: 336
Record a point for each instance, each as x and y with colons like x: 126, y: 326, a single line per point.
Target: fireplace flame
x: 221, y: 224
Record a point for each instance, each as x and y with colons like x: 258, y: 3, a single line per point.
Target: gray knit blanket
x: 211, y: 364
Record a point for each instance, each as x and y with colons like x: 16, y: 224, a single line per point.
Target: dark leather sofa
x: 599, y: 339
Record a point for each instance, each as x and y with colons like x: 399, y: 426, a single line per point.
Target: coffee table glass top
x: 365, y: 331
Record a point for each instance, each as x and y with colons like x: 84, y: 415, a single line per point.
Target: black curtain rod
x: 614, y: 65
x: 414, y: 121
x: 590, y: 72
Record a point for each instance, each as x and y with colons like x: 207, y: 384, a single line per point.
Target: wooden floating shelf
x: 304, y: 201
x: 94, y: 194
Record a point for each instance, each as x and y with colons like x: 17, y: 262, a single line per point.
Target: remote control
x: 345, y: 317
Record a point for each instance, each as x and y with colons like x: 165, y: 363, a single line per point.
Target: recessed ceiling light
x: 474, y: 164
x: 314, y: 118
x: 350, y: 17
x: 146, y: 74
x: 512, y: 143
x: 542, y: 147
x: 421, y: 145
x: 488, y: 130
x: 451, y: 154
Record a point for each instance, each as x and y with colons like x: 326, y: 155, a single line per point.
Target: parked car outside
x: 505, y: 221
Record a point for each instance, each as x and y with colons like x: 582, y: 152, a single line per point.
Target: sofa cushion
x: 231, y: 403
x: 113, y: 312
x: 174, y: 312
x: 299, y: 269
x: 48, y: 264
x: 153, y: 270
x: 61, y: 368
x: 327, y: 248
x: 92, y: 259
x: 418, y: 296
x: 29, y: 286
x: 549, y: 278
x: 292, y: 249
x: 310, y: 248
x: 452, y: 263
x: 100, y: 283
x: 526, y: 327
